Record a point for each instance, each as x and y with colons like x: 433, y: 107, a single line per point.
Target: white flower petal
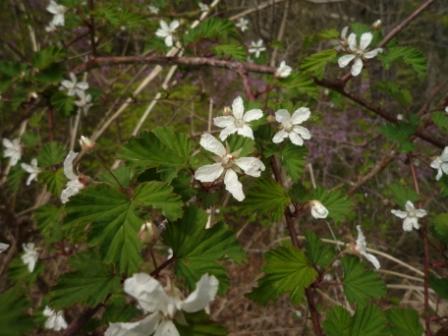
x: 148, y: 292
x: 365, y: 40
x: 238, y: 108
x: 209, y: 173
x: 357, y: 67
x: 282, y: 116
x: 373, y: 53
x: 29, y: 256
x: 68, y: 165
x: 210, y: 143
x: 252, y: 115
x: 409, y: 223
x: 224, y: 134
x: 344, y: 60
x: 372, y: 259
x: 204, y: 293
x: 233, y: 185
x: 245, y: 131
x: 303, y: 132
x: 361, y: 244
x: 409, y: 206
x: 420, y: 213
x: 300, y: 115
x: 352, y: 41
x: 224, y: 121
x: 72, y: 188
x: 166, y: 328
x: 3, y: 247
x: 143, y: 327
x: 399, y: 213
x: 295, y: 139
x: 280, y: 136
x: 55, y: 320
x: 250, y: 165
x: 318, y: 210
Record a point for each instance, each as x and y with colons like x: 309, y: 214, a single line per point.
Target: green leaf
x: 90, y: 283
x: 404, y: 322
x: 265, y: 198
x: 441, y: 120
x: 293, y: 158
x: 115, y: 224
x: 369, y: 321
x: 408, y: 55
x: 54, y: 180
x: 199, y: 324
x: 52, y: 153
x: 14, y: 320
x: 198, y: 250
x: 402, y: 95
x: 401, y: 193
x: 360, y: 284
x: 159, y: 195
x: 287, y: 271
x: 165, y: 149
x: 440, y: 226
x: 231, y: 50
x: 64, y: 104
x: 44, y: 58
x: 315, y: 64
x: 340, y: 207
x: 400, y: 134
x: 48, y: 219
x: 338, y: 322
x: 440, y: 285
x: 211, y: 28
x: 317, y: 252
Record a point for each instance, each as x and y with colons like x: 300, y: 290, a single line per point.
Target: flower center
x: 227, y: 161
x: 287, y: 126
x: 239, y: 123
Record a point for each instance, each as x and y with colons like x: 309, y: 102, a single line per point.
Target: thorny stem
x: 426, y: 261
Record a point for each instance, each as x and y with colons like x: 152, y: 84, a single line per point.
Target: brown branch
x: 338, y: 87
x: 176, y: 60
x: 405, y: 23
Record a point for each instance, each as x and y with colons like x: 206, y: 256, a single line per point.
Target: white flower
x: 3, y: 247
x: 13, y: 150
x: 283, y: 70
x: 203, y: 7
x: 361, y: 248
x: 227, y: 165
x: 31, y: 169
x: 73, y: 87
x: 257, y: 48
x: 166, y: 31
x: 239, y: 121
x: 58, y: 12
x: 74, y: 185
x: 84, y: 102
x: 318, y: 210
x: 55, y: 319
x: 441, y: 164
x: 29, y: 256
x: 243, y: 24
x: 290, y: 126
x: 358, y: 53
x: 410, y: 216
x: 162, y: 306
x: 153, y: 9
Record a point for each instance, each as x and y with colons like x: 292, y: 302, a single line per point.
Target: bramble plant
x: 166, y: 170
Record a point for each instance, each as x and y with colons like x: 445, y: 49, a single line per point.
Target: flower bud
x: 86, y: 144
x: 148, y: 232
x: 227, y: 110
x: 318, y: 210
x: 377, y: 24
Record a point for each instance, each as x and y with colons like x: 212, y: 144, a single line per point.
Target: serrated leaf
x: 90, y: 283
x: 293, y: 158
x: 64, y: 104
x: 408, y: 55
x: 199, y: 324
x: 46, y: 57
x: 369, y: 321
x: 361, y: 285
x: 398, y: 92
x: 231, y: 50
x: 286, y: 271
x: 440, y: 285
x: 317, y: 252
x: 52, y: 153
x: 401, y: 193
x: 211, y: 28
x: 48, y: 219
x: 404, y: 322
x: 400, y: 134
x: 14, y: 320
x: 338, y: 322
x: 54, y: 180
x: 165, y: 149
x: 266, y: 198
x: 441, y: 120
x: 198, y: 250
x: 315, y: 64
